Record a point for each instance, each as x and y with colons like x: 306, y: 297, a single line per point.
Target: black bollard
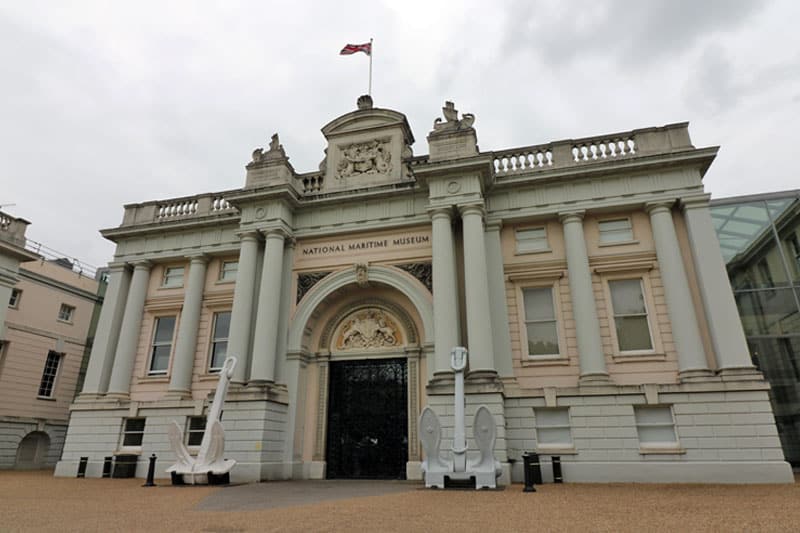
x: 557, y: 470
x: 536, y: 469
x: 107, y: 466
x: 526, y: 469
x: 82, y: 466
x: 151, y: 472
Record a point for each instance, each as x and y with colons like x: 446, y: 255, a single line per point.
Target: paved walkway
x: 275, y: 494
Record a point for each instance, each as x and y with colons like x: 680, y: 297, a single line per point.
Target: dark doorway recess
x: 367, y: 419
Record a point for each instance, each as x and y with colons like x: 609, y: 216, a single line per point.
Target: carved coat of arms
x: 371, y: 157
x: 369, y: 328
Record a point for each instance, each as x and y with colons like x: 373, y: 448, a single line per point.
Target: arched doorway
x: 32, y: 451
x: 366, y: 424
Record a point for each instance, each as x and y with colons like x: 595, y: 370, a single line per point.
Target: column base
x: 695, y: 374
x: 90, y: 397
x: 740, y: 373
x: 482, y: 376
x: 442, y: 377
x: 178, y: 395
x: 595, y: 378
x: 259, y: 384
x: 119, y: 396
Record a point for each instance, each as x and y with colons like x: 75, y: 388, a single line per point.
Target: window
x: 47, y: 384
x: 552, y: 427
x: 65, y: 313
x: 13, y: 302
x: 655, y: 426
x: 540, y: 321
x: 630, y: 315
x: 219, y: 340
x: 194, y: 430
x: 162, y: 345
x: 764, y: 272
x: 531, y: 240
x: 617, y: 230
x: 133, y: 432
x: 228, y: 270
x: 173, y: 277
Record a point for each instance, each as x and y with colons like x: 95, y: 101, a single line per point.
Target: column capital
x: 660, y: 205
x: 571, y: 216
x: 698, y: 201
x: 249, y: 235
x: 275, y: 233
x: 142, y: 264
x: 494, y: 225
x: 471, y: 209
x: 117, y: 266
x: 440, y: 212
x: 198, y: 258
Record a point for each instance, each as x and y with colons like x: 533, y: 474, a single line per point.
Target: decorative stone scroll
x: 422, y: 271
x: 306, y: 280
x: 367, y: 158
x: 367, y: 329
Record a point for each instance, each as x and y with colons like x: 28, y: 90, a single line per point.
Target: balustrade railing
x: 177, y: 209
x: 312, y: 184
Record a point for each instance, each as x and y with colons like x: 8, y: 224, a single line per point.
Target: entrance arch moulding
x: 389, y: 276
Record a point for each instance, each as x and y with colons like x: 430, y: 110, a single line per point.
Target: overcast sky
x: 107, y: 103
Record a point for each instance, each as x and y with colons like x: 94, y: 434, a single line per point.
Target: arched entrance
x: 32, y: 451
x: 368, y: 400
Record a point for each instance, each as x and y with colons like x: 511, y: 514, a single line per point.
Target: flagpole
x: 369, y: 92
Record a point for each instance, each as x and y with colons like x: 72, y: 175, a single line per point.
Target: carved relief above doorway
x: 368, y: 329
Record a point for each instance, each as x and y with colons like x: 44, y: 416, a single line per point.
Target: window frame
x: 521, y: 250
x: 657, y: 446
x: 149, y: 372
x: 600, y: 223
x: 554, y: 287
x: 649, y: 305
x: 125, y: 432
x: 213, y: 341
x: 70, y: 315
x: 189, y: 431
x: 551, y: 447
x: 165, y: 284
x: 221, y: 278
x: 16, y: 296
x: 52, y: 376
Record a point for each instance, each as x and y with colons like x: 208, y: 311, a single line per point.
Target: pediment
x: 368, y: 119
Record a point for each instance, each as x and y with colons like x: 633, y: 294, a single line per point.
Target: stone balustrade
x: 176, y: 209
x: 312, y: 183
x: 589, y: 150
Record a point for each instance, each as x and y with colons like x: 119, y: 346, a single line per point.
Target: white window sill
x: 154, y: 378
x: 69, y: 322
x: 46, y: 398
x: 533, y: 252
x: 638, y: 357
x: 619, y: 243
x: 137, y: 450
x: 545, y: 360
x: 556, y: 450
x: 661, y: 450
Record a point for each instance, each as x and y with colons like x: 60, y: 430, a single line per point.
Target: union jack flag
x: 353, y: 48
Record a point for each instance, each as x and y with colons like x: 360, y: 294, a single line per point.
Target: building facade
x: 582, y: 276
x: 760, y: 240
x: 47, y: 324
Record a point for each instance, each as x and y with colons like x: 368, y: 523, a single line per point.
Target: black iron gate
x: 367, y: 419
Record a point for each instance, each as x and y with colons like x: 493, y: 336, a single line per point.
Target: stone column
x: 692, y: 361
x: 479, y: 321
x: 129, y: 332
x: 445, y: 291
x: 497, y: 300
x: 242, y: 312
x: 727, y: 335
x: 180, y: 383
x: 584, y: 310
x: 101, y: 358
x: 269, y: 298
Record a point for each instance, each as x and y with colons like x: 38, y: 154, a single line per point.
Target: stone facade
x: 582, y: 275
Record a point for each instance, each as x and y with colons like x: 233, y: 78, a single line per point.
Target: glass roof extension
x: 740, y: 225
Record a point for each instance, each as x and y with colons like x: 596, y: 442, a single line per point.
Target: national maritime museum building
x: 583, y: 276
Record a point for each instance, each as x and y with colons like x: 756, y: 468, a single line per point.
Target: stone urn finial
x: 364, y: 102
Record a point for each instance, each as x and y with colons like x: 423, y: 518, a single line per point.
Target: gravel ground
x: 36, y: 501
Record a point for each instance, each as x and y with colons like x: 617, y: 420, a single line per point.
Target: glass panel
x: 134, y: 424
x: 542, y: 338
x: 768, y: 312
x: 160, y: 358
x: 538, y: 304
x: 529, y: 240
x: 551, y: 417
x: 220, y: 351
x: 616, y: 230
x: 656, y: 434
x: 132, y: 439
x: 195, y: 438
x: 633, y: 333
x: 229, y: 269
x: 627, y: 297
x: 164, y: 327
x: 653, y: 415
x: 554, y: 436
x: 222, y: 325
